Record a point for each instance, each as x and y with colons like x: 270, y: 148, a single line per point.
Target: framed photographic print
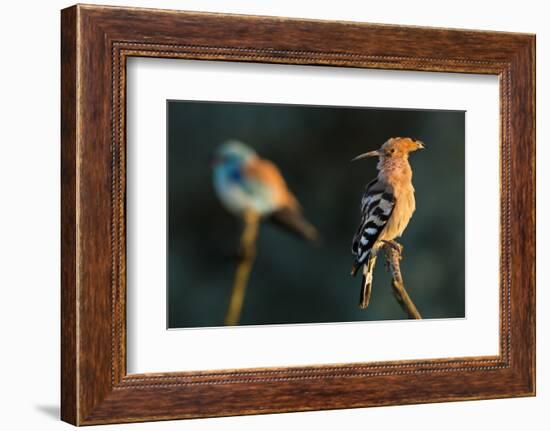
x: 265, y: 215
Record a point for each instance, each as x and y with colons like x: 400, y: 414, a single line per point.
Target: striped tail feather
x: 366, y: 283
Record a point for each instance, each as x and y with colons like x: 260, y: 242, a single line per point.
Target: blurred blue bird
x: 245, y: 182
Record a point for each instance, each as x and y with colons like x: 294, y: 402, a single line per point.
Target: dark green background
x: 293, y: 281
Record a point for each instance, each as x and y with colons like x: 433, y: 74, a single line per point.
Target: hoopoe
x: 245, y: 182
x: 387, y: 206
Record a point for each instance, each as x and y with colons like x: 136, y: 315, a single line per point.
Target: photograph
x: 294, y: 214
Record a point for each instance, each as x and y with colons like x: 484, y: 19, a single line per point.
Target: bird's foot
x: 395, y: 245
x: 393, y: 253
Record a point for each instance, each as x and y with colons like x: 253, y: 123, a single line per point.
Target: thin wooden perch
x: 393, y: 255
x: 244, y: 266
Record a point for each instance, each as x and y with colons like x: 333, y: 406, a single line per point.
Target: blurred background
x: 293, y: 281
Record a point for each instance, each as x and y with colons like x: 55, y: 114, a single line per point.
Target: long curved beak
x: 374, y: 153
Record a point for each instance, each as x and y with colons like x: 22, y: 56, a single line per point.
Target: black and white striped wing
x: 376, y: 208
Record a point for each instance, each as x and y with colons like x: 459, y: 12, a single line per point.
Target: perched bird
x: 387, y: 206
x: 245, y: 182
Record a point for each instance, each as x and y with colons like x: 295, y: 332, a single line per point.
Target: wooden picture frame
x: 95, y: 43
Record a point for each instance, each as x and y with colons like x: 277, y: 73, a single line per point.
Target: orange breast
x: 267, y: 172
